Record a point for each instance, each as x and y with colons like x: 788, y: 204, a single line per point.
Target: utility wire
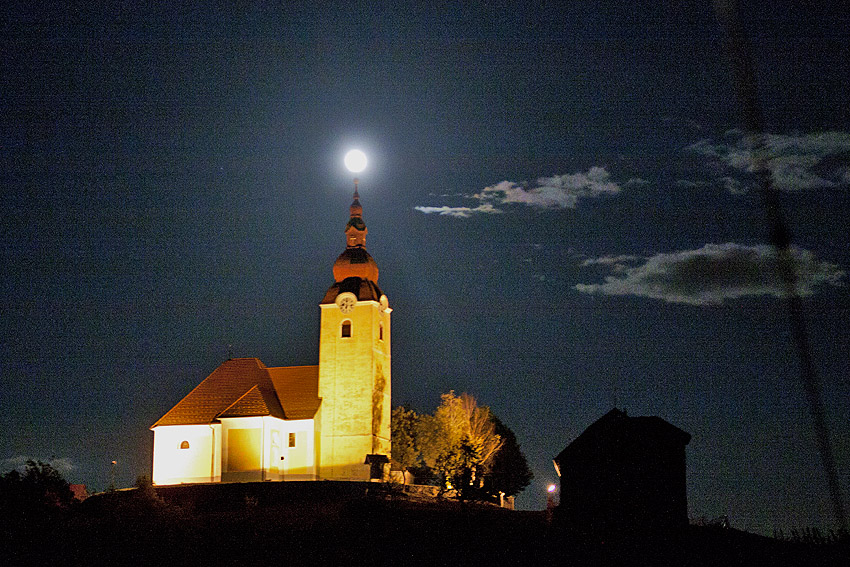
x: 745, y: 84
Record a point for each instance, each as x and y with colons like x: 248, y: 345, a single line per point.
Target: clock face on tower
x: 346, y: 302
x: 346, y: 305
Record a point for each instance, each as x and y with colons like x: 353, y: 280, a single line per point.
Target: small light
x: 551, y: 488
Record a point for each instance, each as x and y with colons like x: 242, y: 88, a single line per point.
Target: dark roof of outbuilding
x: 615, y: 426
x: 243, y: 387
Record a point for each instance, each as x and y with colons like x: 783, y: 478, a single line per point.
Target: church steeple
x: 356, y: 209
x: 355, y: 230
x: 355, y: 262
x: 354, y: 361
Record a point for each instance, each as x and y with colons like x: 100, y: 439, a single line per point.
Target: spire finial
x: 356, y: 209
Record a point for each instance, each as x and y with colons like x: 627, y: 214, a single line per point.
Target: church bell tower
x: 354, y: 362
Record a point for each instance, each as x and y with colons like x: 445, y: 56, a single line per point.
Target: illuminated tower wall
x: 354, y: 362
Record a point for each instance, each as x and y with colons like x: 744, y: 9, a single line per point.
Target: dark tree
x: 508, y: 471
x: 40, y: 488
x: 33, y: 503
x: 406, y: 454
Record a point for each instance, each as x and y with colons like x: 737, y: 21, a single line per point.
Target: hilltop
x: 327, y: 523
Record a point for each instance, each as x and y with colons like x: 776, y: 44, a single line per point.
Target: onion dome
x: 355, y: 263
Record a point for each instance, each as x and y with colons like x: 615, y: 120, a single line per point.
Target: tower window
x: 292, y: 440
x: 346, y: 329
x: 380, y: 332
x: 184, y: 445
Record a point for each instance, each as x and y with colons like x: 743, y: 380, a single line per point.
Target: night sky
x: 560, y: 200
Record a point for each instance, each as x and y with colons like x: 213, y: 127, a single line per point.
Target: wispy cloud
x: 556, y: 192
x: 709, y: 275
x: 559, y: 191
x: 796, y: 163
x: 635, y: 182
x: 460, y: 212
x: 616, y: 264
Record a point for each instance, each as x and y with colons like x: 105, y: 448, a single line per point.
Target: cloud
x: 611, y: 260
x: 617, y: 264
x: 559, y: 191
x: 635, y: 182
x: 62, y: 464
x: 796, y: 163
x: 556, y: 192
x: 459, y: 212
x: 733, y: 185
x: 711, y: 274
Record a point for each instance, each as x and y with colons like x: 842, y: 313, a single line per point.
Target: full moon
x: 355, y: 161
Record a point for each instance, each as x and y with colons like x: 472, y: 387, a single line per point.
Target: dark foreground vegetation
x: 328, y: 523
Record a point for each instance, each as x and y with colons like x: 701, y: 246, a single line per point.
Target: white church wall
x: 252, y: 448
x: 186, y: 453
x: 242, y: 449
x: 299, y: 452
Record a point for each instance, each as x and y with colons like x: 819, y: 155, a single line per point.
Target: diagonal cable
x: 745, y: 84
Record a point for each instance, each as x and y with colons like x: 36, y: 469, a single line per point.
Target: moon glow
x: 355, y: 161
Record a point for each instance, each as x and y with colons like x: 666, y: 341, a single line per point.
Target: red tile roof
x: 250, y: 404
x: 297, y: 389
x: 246, y: 387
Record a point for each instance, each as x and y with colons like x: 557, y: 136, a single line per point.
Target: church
x: 247, y: 422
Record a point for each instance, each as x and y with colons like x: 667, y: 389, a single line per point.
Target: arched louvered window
x: 346, y: 329
x: 184, y: 445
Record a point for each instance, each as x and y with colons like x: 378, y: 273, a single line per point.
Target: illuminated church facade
x: 247, y: 422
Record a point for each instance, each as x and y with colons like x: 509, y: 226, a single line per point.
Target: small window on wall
x: 184, y: 445
x: 346, y: 328
x: 292, y: 440
x: 380, y: 332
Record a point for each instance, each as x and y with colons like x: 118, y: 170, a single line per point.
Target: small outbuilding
x: 624, y: 475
